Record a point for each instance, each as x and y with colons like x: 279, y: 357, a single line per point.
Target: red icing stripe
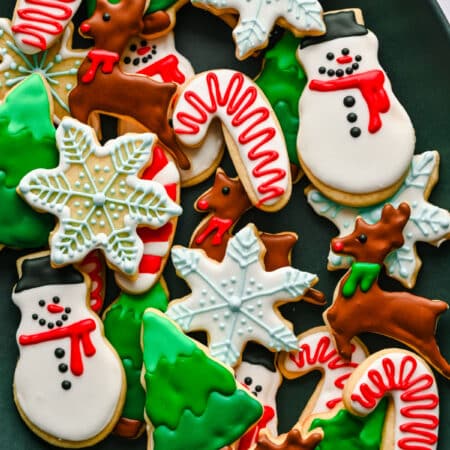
x: 238, y: 101
x: 97, y: 281
x: 167, y: 68
x: 159, y: 161
x: 171, y: 190
x: 150, y: 264
x: 158, y: 235
x: 41, y: 22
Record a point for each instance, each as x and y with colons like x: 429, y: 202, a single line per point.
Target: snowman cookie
x: 355, y: 140
x: 69, y: 383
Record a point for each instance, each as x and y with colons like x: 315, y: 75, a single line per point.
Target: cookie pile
x: 322, y: 107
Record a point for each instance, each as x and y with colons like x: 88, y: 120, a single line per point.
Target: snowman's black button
x: 68, y: 310
x: 339, y: 73
x: 34, y: 317
x: 331, y: 73
x: 349, y: 101
x: 352, y: 117
x: 322, y: 69
x: 355, y: 132
x: 42, y: 322
x: 59, y: 352
x: 41, y: 302
x: 56, y: 299
x: 63, y: 368
x: 50, y: 325
x: 66, y: 385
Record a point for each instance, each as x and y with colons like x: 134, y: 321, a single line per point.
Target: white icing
x: 317, y: 352
x: 238, y: 103
x: 362, y: 165
x: 413, y: 389
x: 88, y: 407
x: 41, y: 13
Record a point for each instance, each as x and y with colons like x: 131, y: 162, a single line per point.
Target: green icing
x: 362, y: 274
x: 27, y: 142
x: 155, y: 5
x: 345, y: 431
x: 123, y: 329
x: 192, y: 400
x: 283, y: 80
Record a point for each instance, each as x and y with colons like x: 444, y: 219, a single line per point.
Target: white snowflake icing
x: 258, y: 17
x: 234, y: 300
x: 427, y: 223
x: 97, y: 196
x: 58, y: 65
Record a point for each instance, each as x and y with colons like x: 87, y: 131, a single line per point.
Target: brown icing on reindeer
x: 293, y: 440
x: 360, y: 305
x: 103, y: 87
x: 226, y: 201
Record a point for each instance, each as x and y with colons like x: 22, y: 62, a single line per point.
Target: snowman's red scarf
x: 79, y: 334
x: 371, y: 86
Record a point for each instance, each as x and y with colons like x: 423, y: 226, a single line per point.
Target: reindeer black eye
x: 225, y: 190
x: 106, y: 17
x: 362, y: 238
x: 258, y: 388
x: 248, y: 381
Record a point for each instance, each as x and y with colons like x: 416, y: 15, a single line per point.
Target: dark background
x: 414, y: 50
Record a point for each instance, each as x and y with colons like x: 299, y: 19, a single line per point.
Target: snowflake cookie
x: 235, y: 300
x: 97, y: 196
x: 258, y: 17
x: 427, y: 223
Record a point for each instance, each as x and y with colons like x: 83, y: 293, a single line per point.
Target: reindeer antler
x: 293, y: 440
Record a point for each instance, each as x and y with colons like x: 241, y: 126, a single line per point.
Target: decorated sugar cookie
x: 293, y: 440
x: 193, y: 401
x: 258, y: 17
x: 316, y: 352
x: 355, y: 140
x: 403, y: 316
x: 159, y: 59
x: 57, y: 65
x: 236, y: 300
x: 103, y: 86
x: 252, y: 132
x: 258, y: 373
x: 409, y: 382
x: 94, y: 267
x: 98, y: 198
x: 157, y: 241
x: 427, y: 222
x: 27, y: 142
x: 68, y: 384
x: 38, y: 24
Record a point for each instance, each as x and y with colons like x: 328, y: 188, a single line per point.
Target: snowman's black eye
x: 67, y: 310
x: 362, y: 238
x: 35, y: 317
x: 144, y: 43
x: 133, y: 47
x: 225, y: 190
x: 248, y: 381
x: 106, y: 17
x: 55, y: 299
x: 345, y: 51
x: 358, y: 58
x: 330, y: 56
x: 41, y: 302
x: 322, y: 69
x: 258, y: 388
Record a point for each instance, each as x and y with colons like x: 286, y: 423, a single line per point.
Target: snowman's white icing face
x: 261, y: 382
x: 50, y: 307
x: 340, y: 57
x: 139, y: 53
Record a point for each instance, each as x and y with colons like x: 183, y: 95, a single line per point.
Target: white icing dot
x: 233, y: 279
x: 98, y: 213
x: 87, y: 203
x: 259, y: 303
x: 123, y: 191
x: 102, y: 223
x: 81, y: 175
x: 106, y: 169
x: 216, y: 317
x: 260, y: 314
x: 250, y: 329
x: 227, y: 314
x: 120, y: 208
x: 221, y: 325
x: 69, y: 86
x: 240, y: 332
x: 251, y: 281
x: 204, y: 291
x: 77, y: 184
x: 87, y: 187
x: 223, y: 283
x: 97, y: 168
x: 76, y: 204
x: 101, y: 180
x: 115, y: 216
x: 122, y: 183
x: 212, y: 299
x: 80, y: 212
x: 259, y: 287
x: 243, y: 321
x: 112, y: 206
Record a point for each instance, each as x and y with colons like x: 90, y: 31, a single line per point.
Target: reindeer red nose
x: 337, y: 246
x: 85, y: 28
x: 202, y: 205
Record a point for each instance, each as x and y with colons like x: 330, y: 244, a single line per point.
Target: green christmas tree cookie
x: 345, y: 431
x: 283, y: 80
x: 193, y: 401
x: 122, y: 322
x: 27, y: 142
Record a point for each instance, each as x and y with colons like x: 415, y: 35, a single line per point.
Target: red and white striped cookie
x: 37, y: 24
x: 157, y: 243
x: 409, y: 381
x: 316, y: 352
x: 94, y: 267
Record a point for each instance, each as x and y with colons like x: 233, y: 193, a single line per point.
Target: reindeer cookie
x: 103, y: 86
x: 405, y: 317
x: 98, y: 198
x: 409, y: 382
x: 355, y: 140
x: 236, y: 300
x: 69, y: 384
x: 258, y: 17
x: 252, y: 132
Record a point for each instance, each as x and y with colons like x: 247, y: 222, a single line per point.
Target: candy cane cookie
x: 410, y: 383
x: 37, y: 24
x: 317, y: 352
x: 157, y: 242
x: 94, y: 267
x: 252, y: 131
